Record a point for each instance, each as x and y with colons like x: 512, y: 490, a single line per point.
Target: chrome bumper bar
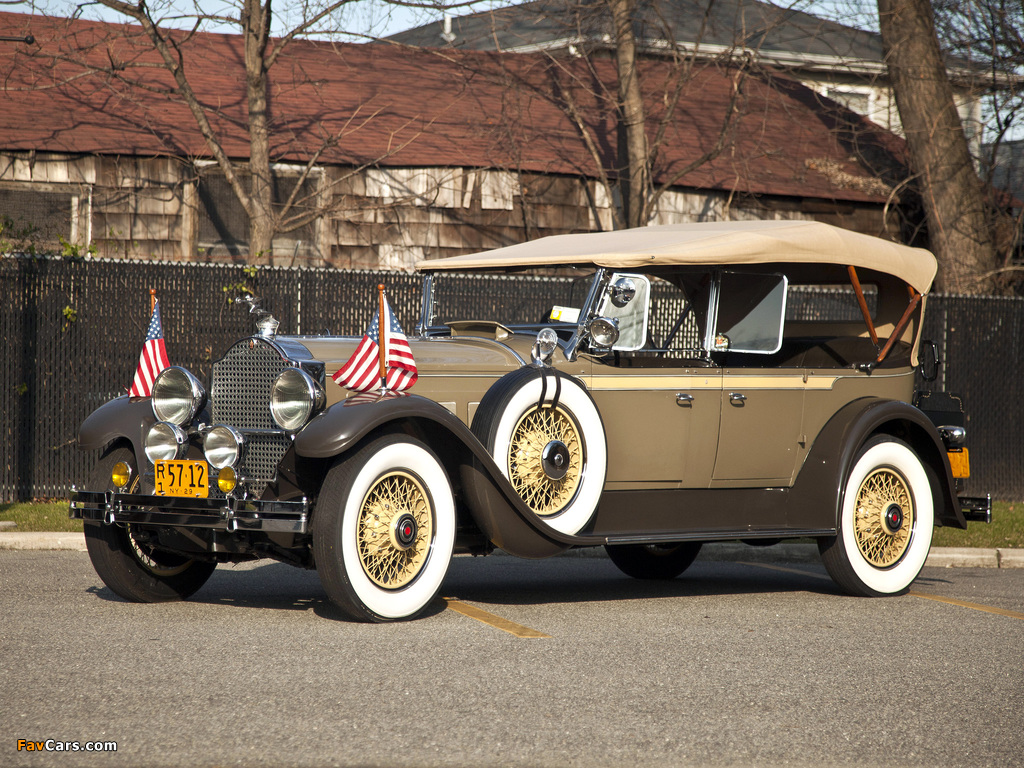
x: 229, y: 514
x: 977, y: 509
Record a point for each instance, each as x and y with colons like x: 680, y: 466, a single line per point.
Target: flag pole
x: 152, y: 300
x: 382, y: 340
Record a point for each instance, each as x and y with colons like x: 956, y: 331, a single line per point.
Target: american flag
x: 362, y: 371
x: 153, y: 358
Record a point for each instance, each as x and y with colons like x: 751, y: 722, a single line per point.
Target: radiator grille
x: 240, y: 397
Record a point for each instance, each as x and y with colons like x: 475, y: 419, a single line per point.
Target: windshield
x: 532, y: 300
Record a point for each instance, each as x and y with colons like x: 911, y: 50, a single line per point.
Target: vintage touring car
x: 670, y: 386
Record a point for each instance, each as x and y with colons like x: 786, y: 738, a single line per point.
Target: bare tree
x: 251, y: 179
x: 648, y: 79
x: 956, y: 209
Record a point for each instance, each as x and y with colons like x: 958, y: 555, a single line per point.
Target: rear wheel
x: 885, y: 522
x: 385, y: 529
x: 126, y: 562
x: 653, y: 561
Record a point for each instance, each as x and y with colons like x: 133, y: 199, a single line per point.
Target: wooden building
x: 419, y: 153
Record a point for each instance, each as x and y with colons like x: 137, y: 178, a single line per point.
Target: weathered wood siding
x: 375, y: 218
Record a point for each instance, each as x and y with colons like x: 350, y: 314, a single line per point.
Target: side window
x: 749, y: 313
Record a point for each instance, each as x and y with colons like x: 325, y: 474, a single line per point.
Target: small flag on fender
x: 153, y: 358
x: 383, y: 354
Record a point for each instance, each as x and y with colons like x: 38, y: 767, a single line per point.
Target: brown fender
x: 124, y: 417
x: 817, y: 493
x: 489, y: 497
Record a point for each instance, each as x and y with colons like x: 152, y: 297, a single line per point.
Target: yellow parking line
x: 937, y: 598
x: 974, y: 606
x: 489, y: 618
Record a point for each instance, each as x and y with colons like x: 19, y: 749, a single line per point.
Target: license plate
x: 190, y: 479
x: 959, y: 463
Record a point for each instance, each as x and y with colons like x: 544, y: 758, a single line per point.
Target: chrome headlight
x: 166, y: 442
x: 177, y: 396
x: 294, y: 399
x: 604, y: 331
x: 223, y: 446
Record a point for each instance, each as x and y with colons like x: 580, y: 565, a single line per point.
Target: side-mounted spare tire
x: 545, y: 433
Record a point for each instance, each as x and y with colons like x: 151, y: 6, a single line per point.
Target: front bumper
x: 229, y: 514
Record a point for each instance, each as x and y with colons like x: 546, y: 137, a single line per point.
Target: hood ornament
x: 266, y: 323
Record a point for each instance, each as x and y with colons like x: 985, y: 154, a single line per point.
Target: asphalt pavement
x: 743, y: 664
x: 940, y: 557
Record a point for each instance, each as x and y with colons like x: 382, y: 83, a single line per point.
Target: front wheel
x: 653, y: 561
x: 885, y: 522
x: 384, y: 530
x: 123, y: 557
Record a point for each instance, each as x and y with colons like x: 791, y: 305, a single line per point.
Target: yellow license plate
x: 959, y: 463
x: 190, y: 479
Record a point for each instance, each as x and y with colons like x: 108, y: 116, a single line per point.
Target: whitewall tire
x: 545, y: 434
x: 885, y: 521
x: 384, y: 529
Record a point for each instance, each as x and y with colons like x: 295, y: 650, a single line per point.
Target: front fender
x: 818, y: 490
x: 123, y: 417
x: 496, y: 508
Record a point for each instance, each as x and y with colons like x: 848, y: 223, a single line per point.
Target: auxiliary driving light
x: 223, y: 446
x: 166, y: 442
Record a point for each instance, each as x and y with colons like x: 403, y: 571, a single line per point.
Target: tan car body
x: 715, y: 442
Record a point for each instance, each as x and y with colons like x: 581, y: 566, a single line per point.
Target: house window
x: 223, y: 227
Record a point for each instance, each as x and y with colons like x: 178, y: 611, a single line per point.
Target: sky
x: 377, y: 18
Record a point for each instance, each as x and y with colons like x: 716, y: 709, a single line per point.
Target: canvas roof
x: 719, y: 243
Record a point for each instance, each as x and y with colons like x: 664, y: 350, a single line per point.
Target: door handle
x: 684, y: 400
x: 737, y: 398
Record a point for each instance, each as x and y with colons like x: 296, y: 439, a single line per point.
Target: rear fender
x: 818, y: 490
x: 488, y: 496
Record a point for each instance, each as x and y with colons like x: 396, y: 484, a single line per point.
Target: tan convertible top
x: 722, y: 243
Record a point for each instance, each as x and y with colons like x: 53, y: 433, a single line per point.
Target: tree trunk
x: 256, y: 33
x: 955, y: 208
x: 633, y: 172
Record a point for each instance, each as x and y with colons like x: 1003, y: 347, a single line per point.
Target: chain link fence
x: 72, y: 330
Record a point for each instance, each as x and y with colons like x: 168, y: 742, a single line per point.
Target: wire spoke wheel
x: 161, y: 564
x: 885, y: 522
x: 883, y: 518
x: 545, y: 459
x: 395, y: 530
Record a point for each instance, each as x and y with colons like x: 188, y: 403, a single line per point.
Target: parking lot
x: 563, y: 662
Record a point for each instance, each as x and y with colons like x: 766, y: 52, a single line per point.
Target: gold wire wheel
x: 394, y: 530
x: 545, y: 459
x: 883, y: 519
x: 161, y: 564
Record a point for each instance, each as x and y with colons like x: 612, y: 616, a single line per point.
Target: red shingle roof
x: 405, y: 107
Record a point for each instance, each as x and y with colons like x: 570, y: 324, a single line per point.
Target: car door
x: 762, y: 404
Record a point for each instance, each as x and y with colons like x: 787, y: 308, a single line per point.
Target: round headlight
x: 177, y: 396
x: 165, y: 442
x: 294, y: 399
x: 604, y: 331
x: 223, y: 446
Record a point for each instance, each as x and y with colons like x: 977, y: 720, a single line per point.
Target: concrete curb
x: 45, y: 541
x: 786, y: 552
